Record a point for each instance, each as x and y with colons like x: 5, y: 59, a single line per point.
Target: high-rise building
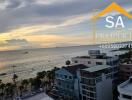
x: 88, y: 77
x: 96, y: 83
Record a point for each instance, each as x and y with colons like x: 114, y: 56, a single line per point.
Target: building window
x: 70, y: 77
x: 84, y: 98
x: 92, y: 82
x: 91, y: 95
x: 85, y: 93
x: 99, y: 63
x: 89, y: 62
x: 126, y: 97
x: 93, y: 89
x: 65, y: 76
x: 76, y: 61
x: 88, y: 81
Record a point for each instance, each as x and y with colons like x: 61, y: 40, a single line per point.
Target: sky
x: 26, y: 24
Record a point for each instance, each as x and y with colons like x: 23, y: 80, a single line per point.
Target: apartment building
x: 66, y: 82
x: 96, y: 83
x: 125, y: 90
x: 88, y: 77
x: 125, y: 70
x: 95, y: 57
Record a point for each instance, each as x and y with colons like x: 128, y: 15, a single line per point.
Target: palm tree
x: 10, y: 90
x: 0, y: 81
x: 51, y: 74
x: 42, y: 76
x: 15, y: 77
x: 21, y: 88
x: 25, y: 84
x: 2, y: 87
x: 37, y: 83
x: 50, y: 79
x: 31, y: 81
x: 68, y: 62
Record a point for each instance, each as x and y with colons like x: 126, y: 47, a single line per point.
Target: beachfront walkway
x: 41, y: 96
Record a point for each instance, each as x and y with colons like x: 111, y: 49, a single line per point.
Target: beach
x: 28, y: 62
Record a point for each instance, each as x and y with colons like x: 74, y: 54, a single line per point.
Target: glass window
x: 70, y: 77
x: 65, y: 76
x: 127, y: 97
x: 84, y: 98
x: 89, y: 62
x: 76, y: 61
x: 99, y: 63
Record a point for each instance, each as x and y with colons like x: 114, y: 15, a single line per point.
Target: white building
x: 96, y: 83
x: 95, y: 58
x: 125, y: 90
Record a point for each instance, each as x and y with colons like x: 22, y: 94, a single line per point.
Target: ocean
x: 28, y: 62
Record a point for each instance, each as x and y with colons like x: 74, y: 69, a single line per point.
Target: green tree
x: 68, y: 62
x: 25, y: 84
x: 32, y: 83
x: 21, y: 89
x: 10, y: 90
x: 2, y: 87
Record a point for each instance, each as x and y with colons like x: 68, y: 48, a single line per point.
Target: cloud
x: 20, y: 18
x: 17, y: 42
x: 19, y: 13
x: 13, y: 44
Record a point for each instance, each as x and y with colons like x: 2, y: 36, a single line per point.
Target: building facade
x: 125, y: 71
x: 88, y: 78
x: 66, y: 82
x: 96, y: 83
x: 125, y: 90
x: 95, y: 58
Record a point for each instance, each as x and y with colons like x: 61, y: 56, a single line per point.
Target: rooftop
x: 126, y: 87
x: 96, y: 68
x: 95, y: 57
x: 74, y: 68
